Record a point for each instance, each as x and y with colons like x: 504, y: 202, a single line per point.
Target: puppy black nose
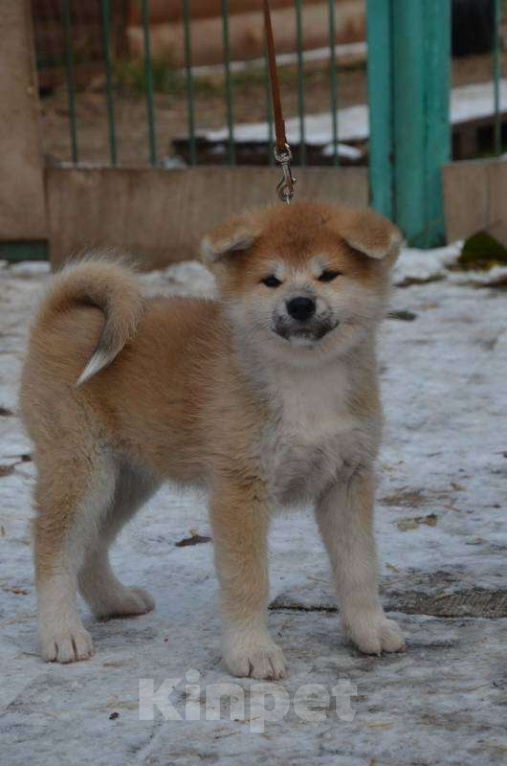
x: 301, y: 308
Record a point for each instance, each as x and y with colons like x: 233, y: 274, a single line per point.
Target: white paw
x: 130, y: 602
x: 70, y: 645
x: 247, y: 657
x: 373, y: 633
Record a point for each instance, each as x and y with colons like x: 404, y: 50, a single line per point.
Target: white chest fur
x: 316, y: 437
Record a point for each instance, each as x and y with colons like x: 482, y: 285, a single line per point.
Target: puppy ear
x: 371, y: 234
x: 229, y: 238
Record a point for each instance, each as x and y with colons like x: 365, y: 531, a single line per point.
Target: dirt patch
x: 476, y: 602
x: 192, y: 540
x: 410, y: 281
x: 414, y: 522
x: 473, y: 602
x: 406, y: 498
x: 402, y: 316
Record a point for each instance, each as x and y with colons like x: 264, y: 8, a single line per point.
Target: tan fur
x: 235, y: 394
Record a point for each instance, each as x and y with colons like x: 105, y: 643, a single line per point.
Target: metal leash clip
x: 285, y: 188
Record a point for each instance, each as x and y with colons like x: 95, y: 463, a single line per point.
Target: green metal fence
x: 67, y: 10
x: 408, y: 68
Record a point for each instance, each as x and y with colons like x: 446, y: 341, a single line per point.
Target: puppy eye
x: 271, y: 281
x: 328, y: 275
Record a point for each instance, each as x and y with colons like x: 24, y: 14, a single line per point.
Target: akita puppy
x: 268, y: 396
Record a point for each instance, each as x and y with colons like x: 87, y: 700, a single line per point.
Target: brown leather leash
x: 283, y: 154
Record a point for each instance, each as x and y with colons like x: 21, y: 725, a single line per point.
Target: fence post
x: 23, y: 225
x: 408, y: 82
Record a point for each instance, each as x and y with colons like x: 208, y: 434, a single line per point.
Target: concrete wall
x: 22, y: 209
x: 160, y: 215
x: 475, y: 198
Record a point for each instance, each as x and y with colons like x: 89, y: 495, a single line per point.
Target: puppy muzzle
x: 310, y: 330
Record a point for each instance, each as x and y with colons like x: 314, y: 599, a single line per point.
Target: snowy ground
x: 442, y: 532
x: 467, y: 103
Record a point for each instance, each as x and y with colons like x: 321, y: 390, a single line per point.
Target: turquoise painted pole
x: 408, y: 71
x: 380, y: 98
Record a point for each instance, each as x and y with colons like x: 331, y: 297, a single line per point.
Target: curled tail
x: 111, y: 287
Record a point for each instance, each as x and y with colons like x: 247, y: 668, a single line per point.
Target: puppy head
x: 304, y: 281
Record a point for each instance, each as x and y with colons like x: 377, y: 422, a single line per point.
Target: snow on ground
x: 468, y: 102
x: 442, y: 533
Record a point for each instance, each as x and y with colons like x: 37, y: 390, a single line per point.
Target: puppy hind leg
x: 71, y: 496
x: 99, y: 586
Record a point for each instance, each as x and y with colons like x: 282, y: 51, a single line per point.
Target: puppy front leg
x: 240, y: 520
x: 345, y: 518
